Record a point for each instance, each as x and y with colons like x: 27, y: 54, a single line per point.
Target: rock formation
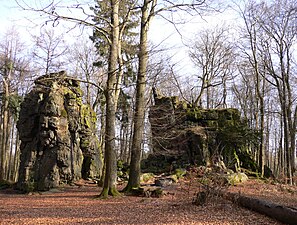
x: 57, y: 132
x: 183, y: 135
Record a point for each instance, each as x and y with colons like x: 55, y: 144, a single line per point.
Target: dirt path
x: 78, y: 205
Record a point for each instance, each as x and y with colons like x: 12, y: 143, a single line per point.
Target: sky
x: 162, y: 33
x: 10, y: 14
x: 181, y: 38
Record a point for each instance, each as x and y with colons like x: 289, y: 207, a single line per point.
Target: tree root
x: 109, y: 191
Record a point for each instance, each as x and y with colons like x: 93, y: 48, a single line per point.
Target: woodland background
x: 250, y: 65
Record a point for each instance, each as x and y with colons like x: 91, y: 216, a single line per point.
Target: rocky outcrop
x: 57, y: 132
x: 183, y: 135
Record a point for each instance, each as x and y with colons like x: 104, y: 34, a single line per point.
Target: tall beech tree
x: 277, y: 23
x: 109, y: 185
x: 253, y: 60
x: 119, y: 29
x: 268, y: 66
x: 147, y: 14
x: 149, y: 8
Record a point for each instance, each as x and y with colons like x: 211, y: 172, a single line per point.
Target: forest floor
x: 79, y: 204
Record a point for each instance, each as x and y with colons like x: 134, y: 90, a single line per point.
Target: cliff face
x: 183, y: 135
x: 57, y: 132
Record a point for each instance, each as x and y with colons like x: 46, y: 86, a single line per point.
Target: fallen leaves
x: 78, y: 205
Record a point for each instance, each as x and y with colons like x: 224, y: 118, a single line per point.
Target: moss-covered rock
x: 183, y: 136
x: 236, y: 178
x: 57, y: 131
x: 146, y: 177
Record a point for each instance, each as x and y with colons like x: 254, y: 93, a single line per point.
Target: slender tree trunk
x: 259, y: 96
x: 5, y: 134
x: 292, y: 129
x: 130, y: 141
x: 102, y: 134
x: 16, y: 158
x: 287, y: 146
x: 88, y: 97
x: 134, y: 175
x: 120, y: 72
x: 126, y: 145
x: 1, y: 148
x: 7, y: 146
x: 281, y: 148
x: 109, y: 186
x: 10, y: 161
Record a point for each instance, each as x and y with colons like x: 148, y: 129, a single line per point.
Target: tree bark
x: 16, y: 158
x: 109, y: 185
x: 281, y: 213
x: 134, y: 174
x: 4, y: 131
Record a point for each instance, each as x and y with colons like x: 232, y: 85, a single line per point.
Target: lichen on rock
x: 57, y: 132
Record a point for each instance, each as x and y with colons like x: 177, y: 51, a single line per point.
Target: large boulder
x: 183, y: 135
x: 57, y: 132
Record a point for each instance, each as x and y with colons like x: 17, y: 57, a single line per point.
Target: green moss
x: 120, y: 164
x: 236, y: 178
x: 180, y: 173
x: 194, y: 114
x: 184, y: 105
x: 84, y: 143
x: 109, y: 191
x: 210, y: 114
x: 64, y: 113
x: 104, y: 193
x: 229, y: 117
x: 68, y: 93
x: 114, y: 192
x: 146, y: 177
x: 88, y: 117
x: 175, y: 101
x: 74, y: 95
x: 174, y: 178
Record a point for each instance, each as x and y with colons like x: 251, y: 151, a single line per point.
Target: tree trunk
x: 134, y: 174
x: 16, y: 158
x: 109, y: 186
x: 10, y: 158
x: 4, y: 127
x: 281, y: 213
